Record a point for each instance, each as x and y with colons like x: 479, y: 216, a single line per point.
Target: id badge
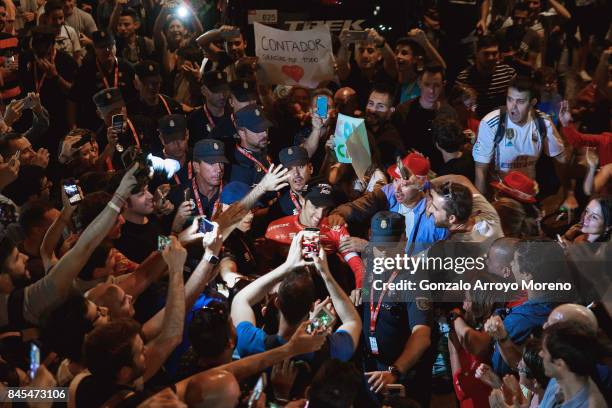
x: 373, y: 345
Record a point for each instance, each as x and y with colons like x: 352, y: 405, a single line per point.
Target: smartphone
x: 118, y: 122
x: 393, y: 390
x: 322, y: 106
x: 162, y: 242
x: 187, y: 194
x: 322, y: 320
x: 353, y: 36
x: 72, y: 191
x: 258, y: 390
x: 310, y: 243
x: 227, y: 35
x: 205, y: 226
x: 34, y: 360
x: 27, y: 102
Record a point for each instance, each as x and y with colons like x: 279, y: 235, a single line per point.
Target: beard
x: 21, y: 281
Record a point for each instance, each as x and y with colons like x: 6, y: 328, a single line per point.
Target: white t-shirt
x: 520, y: 147
x: 487, y: 227
x: 68, y: 40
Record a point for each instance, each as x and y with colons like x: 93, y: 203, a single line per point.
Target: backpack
x: 546, y: 176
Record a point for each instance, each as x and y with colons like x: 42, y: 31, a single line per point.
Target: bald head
x: 213, y: 389
x: 346, y: 101
x: 500, y: 256
x: 570, y: 312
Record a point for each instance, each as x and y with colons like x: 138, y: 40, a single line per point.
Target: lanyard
x: 165, y: 104
x: 106, y: 84
x: 189, y: 174
x: 249, y: 156
x: 211, y: 122
x: 196, y: 192
x: 295, y: 200
x: 374, y: 312
x: 134, y: 134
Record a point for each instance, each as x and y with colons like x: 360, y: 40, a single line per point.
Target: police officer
x: 174, y: 138
x: 399, y: 348
x: 213, y: 119
x: 206, y: 185
x: 100, y: 70
x: 291, y: 200
x: 114, y: 140
x: 250, y: 161
x: 243, y: 92
x: 150, y: 106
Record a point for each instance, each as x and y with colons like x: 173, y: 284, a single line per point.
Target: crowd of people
x: 174, y: 233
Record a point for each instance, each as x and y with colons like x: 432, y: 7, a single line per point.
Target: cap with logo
x: 145, y: 69
x: 387, y: 226
x: 210, y: 151
x: 293, y: 156
x: 416, y: 163
x: 518, y: 186
x: 108, y: 99
x: 234, y: 191
x: 215, y: 81
x: 253, y: 118
x: 320, y: 195
x: 172, y: 127
x: 102, y: 38
x: 244, y: 90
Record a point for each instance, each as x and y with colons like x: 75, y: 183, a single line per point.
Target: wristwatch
x: 395, y: 371
x: 211, y: 259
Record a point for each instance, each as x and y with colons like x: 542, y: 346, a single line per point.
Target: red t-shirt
x: 603, y: 142
x: 284, y: 229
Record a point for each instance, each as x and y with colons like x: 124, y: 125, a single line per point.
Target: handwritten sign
x: 293, y: 57
x: 347, y: 127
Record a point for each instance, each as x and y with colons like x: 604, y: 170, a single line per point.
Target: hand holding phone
x: 205, y: 226
x: 72, y: 191
x: 323, y: 319
x: 162, y: 242
x: 310, y: 243
x: 34, y: 360
x: 322, y: 106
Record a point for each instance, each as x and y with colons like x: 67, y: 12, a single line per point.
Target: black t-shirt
x: 458, y: 17
x: 387, y: 145
x: 52, y: 96
x: 246, y: 170
x: 200, y: 127
x: 362, y: 85
x: 88, y: 81
x: 239, y: 247
x: 146, y: 118
x: 464, y: 166
x: 414, y: 123
x: 138, y: 241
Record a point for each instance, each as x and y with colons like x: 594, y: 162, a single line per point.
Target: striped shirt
x: 491, y: 89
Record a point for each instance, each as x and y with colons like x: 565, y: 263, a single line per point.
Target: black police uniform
x: 288, y: 202
x: 89, y: 80
x: 394, y: 323
x: 146, y: 117
x: 245, y: 169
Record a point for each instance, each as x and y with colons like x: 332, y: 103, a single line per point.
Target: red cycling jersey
x: 284, y: 229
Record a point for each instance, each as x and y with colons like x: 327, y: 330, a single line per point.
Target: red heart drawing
x: 294, y: 72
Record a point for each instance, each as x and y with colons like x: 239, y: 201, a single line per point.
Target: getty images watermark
x: 448, y: 272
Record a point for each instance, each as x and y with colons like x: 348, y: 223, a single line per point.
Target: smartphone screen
x: 72, y: 192
x: 117, y: 122
x: 162, y: 242
x: 322, y: 320
x: 259, y: 388
x: 205, y: 226
x: 322, y: 106
x: 34, y: 359
x: 356, y: 36
x: 310, y: 243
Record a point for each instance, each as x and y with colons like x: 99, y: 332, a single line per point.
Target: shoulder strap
x: 501, y: 127
x: 540, y: 123
x: 74, y: 385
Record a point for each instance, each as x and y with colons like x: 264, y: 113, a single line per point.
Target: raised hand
x: 565, y: 116
x: 275, y: 179
x: 174, y: 255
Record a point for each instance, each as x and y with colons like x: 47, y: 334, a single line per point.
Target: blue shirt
x: 251, y: 340
x: 520, y: 323
x: 409, y: 92
x: 427, y: 232
x: 551, y: 398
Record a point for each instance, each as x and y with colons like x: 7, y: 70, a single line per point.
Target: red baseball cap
x: 415, y: 162
x: 518, y: 186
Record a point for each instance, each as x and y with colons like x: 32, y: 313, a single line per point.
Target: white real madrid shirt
x: 520, y: 147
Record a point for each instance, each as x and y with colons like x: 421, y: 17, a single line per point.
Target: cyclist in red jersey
x: 318, y: 201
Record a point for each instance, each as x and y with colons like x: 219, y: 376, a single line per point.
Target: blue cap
x: 253, y: 118
x: 293, y: 156
x: 102, y: 38
x: 108, y: 98
x: 387, y: 226
x: 210, y: 151
x: 234, y: 191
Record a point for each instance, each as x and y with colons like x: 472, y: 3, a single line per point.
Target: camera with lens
x: 148, y: 166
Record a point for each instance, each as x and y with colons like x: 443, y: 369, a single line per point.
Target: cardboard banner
x: 293, y: 57
x: 347, y: 128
